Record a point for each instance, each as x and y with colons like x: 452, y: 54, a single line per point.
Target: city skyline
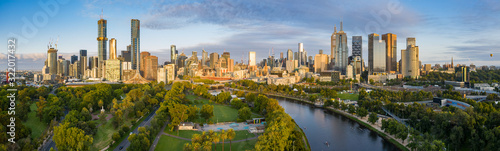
x: 215, y: 27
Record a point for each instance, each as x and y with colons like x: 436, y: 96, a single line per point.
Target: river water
x: 340, y: 132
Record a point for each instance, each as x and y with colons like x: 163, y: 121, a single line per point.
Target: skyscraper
x: 102, y: 39
x: 173, y: 53
x: 52, y: 60
x: 340, y: 50
x: 301, y: 51
x: 289, y: 54
x: 126, y: 56
x: 83, y: 62
x: 320, y: 62
x: 251, y: 58
x: 410, y: 66
x: 214, y: 58
x: 143, y: 57
x: 376, y: 54
x: 135, y: 43
x: 333, y: 44
x: 391, y: 51
x: 112, y: 48
x: 74, y: 58
x: 357, y: 46
x: 204, y: 57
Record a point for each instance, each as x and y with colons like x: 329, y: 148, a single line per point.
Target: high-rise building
x: 135, y: 43
x: 281, y: 55
x: 376, y: 54
x: 251, y: 58
x: 102, y: 39
x: 112, y: 48
x: 126, y: 56
x: 113, y: 70
x: 357, y: 46
x: 83, y: 62
x: 410, y: 66
x: 181, y: 60
x: 340, y: 50
x: 214, y: 58
x: 204, y: 57
x: 143, y: 57
x: 391, y: 52
x: 333, y: 44
x: 173, y: 53
x: 289, y: 54
x: 301, y: 51
x: 151, y: 67
x: 296, y: 56
x: 320, y: 62
x: 74, y: 58
x: 52, y: 61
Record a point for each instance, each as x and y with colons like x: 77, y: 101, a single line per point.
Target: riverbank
x: 373, y: 127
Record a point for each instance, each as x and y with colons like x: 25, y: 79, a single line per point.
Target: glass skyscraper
x: 135, y: 43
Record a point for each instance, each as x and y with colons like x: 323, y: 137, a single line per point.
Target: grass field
x: 348, y: 96
x: 33, y: 122
x: 103, y: 136
x: 188, y: 134
x: 170, y: 143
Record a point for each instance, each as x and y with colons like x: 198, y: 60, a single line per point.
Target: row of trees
x: 205, y: 141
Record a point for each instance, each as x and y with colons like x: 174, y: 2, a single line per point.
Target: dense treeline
x: 485, y: 76
x: 24, y: 97
x: 400, y: 96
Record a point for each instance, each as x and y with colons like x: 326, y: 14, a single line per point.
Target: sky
x: 466, y: 30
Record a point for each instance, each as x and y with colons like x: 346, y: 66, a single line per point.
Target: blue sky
x: 465, y: 30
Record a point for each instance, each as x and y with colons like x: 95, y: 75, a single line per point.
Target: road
x: 50, y: 143
x: 147, y: 122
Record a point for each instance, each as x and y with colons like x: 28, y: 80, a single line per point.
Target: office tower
x: 126, y: 56
x: 83, y: 62
x: 166, y: 73
x: 409, y: 59
x: 141, y: 62
x: 112, y: 48
x: 74, y: 58
x: 310, y: 61
x: 391, y: 52
x: 102, y: 39
x: 251, y: 58
x: 214, y: 58
x: 376, y: 54
x: 333, y: 44
x: 173, y: 53
x: 357, y: 46
x: 295, y: 56
x: 60, y: 66
x: 289, y: 54
x: 135, y: 43
x: 181, y: 60
x: 465, y: 73
x: 52, y: 61
x: 340, y: 50
x: 301, y: 50
x: 150, y: 67
x: 281, y: 55
x: 204, y: 57
x: 320, y: 62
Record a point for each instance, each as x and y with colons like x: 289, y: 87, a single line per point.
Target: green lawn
x: 222, y: 113
x: 170, y: 143
x: 103, y: 136
x: 33, y: 122
x: 241, y: 146
x: 348, y: 96
x: 243, y: 134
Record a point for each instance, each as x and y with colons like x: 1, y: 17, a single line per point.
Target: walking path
x: 153, y: 146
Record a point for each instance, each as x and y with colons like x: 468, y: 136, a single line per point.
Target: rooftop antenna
x: 101, y: 13
x: 341, y: 24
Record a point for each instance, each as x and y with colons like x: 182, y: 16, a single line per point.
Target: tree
x: 230, y: 135
x: 193, y: 113
x: 351, y: 109
x: 71, y: 138
x: 373, y: 118
x: 362, y: 112
x: 207, y: 111
x: 178, y: 113
x: 244, y: 114
x: 140, y: 141
x: 214, y: 138
x: 116, y: 137
x: 223, y: 136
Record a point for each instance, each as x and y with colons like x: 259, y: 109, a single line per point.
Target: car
x: 121, y: 147
x: 131, y: 133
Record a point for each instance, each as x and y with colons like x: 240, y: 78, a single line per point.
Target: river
x: 340, y: 132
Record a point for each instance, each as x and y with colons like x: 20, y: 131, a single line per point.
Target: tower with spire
x: 339, y: 50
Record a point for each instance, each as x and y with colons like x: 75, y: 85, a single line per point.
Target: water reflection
x: 340, y: 132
